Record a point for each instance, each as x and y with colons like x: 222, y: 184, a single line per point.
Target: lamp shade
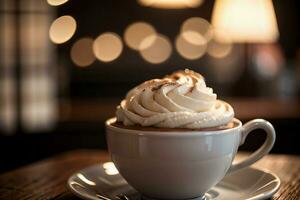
x: 245, y: 21
x: 171, y: 4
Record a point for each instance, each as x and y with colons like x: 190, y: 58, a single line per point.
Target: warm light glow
x: 62, y: 29
x: 136, y: 33
x: 171, y: 4
x: 107, y: 47
x: 159, y: 51
x: 219, y: 49
x: 194, y: 35
x: 111, y: 171
x: 82, y: 52
x: 56, y: 2
x: 197, y: 26
x: 246, y: 20
x: 108, y: 165
x: 194, y: 38
x: 189, y: 50
x: 110, y: 168
x: 85, y: 180
x: 147, y: 42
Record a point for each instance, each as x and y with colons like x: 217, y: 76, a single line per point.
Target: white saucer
x: 102, y: 181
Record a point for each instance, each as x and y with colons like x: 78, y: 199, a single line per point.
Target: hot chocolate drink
x: 230, y: 125
x: 173, y: 139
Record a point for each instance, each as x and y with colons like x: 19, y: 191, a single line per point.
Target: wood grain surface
x: 47, y: 179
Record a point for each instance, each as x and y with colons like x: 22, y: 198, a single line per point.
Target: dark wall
x: 113, y: 79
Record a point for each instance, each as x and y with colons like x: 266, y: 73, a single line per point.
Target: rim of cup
x: 168, y: 133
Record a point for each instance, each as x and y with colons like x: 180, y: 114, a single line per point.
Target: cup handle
x: 263, y: 150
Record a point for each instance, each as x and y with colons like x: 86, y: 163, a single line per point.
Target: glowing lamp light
x: 171, y: 4
x: 246, y: 21
x: 62, y: 29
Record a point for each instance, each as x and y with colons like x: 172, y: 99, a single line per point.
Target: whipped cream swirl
x: 179, y: 100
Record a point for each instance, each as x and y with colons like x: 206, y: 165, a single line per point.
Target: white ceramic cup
x: 181, y: 165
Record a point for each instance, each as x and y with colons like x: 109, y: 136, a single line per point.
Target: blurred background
x: 65, y: 65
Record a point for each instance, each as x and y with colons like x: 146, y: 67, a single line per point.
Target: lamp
x: 245, y: 21
x: 171, y: 4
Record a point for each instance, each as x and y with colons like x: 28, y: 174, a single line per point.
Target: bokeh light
x: 82, y: 52
x: 136, y: 33
x: 189, y: 50
x: 62, y: 29
x: 107, y: 47
x: 196, y: 25
x: 194, y: 38
x: 171, y: 4
x: 159, y: 51
x: 56, y: 2
x: 219, y: 49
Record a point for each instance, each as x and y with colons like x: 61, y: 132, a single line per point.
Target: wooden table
x: 47, y: 179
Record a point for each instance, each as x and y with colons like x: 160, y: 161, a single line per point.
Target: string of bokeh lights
x: 195, y: 39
